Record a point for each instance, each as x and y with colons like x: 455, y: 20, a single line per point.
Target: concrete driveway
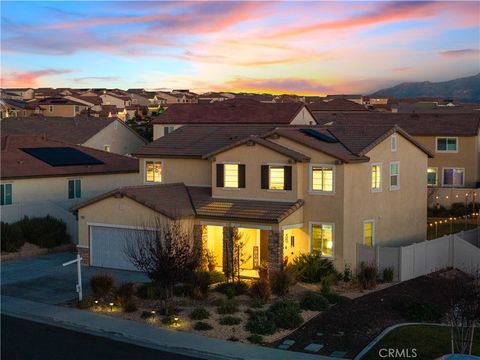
x: 43, y: 279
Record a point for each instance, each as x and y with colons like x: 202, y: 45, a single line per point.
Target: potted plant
x: 211, y: 260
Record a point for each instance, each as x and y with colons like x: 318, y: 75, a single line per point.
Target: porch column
x: 227, y: 250
x: 275, y: 250
x: 200, y: 237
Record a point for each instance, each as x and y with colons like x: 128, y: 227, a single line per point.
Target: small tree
x: 235, y: 254
x: 168, y: 254
x: 464, y: 313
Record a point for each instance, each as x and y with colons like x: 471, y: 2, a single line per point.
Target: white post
x: 78, y: 260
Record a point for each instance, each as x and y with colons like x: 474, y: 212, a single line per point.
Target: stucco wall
x: 120, y: 139
x: 195, y: 172
x: 62, y: 110
x: 303, y: 118
x: 158, y: 129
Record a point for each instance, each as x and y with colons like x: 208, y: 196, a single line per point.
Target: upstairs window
x: 394, y: 175
x: 6, y: 194
x: 322, y: 238
x: 231, y: 176
x: 376, y: 177
x: 74, y: 189
x: 153, y: 171
x: 322, y: 178
x: 453, y: 177
x: 447, y: 144
x: 432, y: 176
x: 276, y: 177
x: 393, y: 143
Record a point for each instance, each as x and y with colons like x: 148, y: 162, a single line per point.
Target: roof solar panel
x: 319, y: 136
x: 62, y: 156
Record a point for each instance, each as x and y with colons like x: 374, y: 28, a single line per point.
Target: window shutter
x: 71, y: 189
x: 241, y: 176
x: 264, y: 183
x: 220, y: 176
x: 2, y: 188
x: 8, y: 194
x: 78, y: 189
x: 288, y: 177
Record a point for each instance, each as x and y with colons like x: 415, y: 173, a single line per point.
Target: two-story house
x: 61, y: 107
x: 232, y: 112
x: 288, y: 190
x: 121, y: 101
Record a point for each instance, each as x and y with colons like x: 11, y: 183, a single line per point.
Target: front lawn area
x: 429, y: 341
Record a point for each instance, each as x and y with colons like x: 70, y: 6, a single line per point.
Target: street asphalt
x: 27, y: 340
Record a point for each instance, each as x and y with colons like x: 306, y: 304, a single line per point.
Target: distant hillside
x: 466, y: 89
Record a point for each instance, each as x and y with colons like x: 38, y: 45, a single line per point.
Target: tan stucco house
x: 288, y: 189
x: 59, y: 106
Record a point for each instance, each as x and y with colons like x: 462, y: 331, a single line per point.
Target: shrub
x: 130, y: 307
x: 261, y: 322
x: 388, y: 274
x: 149, y: 291
x: 281, y: 281
x: 216, y: 277
x: 202, y: 326
x: 124, y: 294
x: 85, y: 303
x: 414, y: 311
x: 260, y: 290
x: 347, y: 273
x: 200, y: 284
x: 12, y: 237
x: 367, y: 275
x: 147, y: 315
x: 333, y: 298
x: 229, y: 306
x: 169, y: 320
x: 458, y: 209
x: 199, y: 314
x: 233, y: 338
x: 232, y: 289
x: 45, y: 231
x: 263, y: 271
x: 101, y: 285
x: 327, y: 282
x: 255, y: 339
x: 230, y: 320
x: 286, y: 314
x: 312, y: 267
x: 313, y: 301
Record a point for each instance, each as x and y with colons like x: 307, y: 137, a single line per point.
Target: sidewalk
x: 144, y: 334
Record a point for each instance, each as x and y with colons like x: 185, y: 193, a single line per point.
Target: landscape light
x: 111, y: 306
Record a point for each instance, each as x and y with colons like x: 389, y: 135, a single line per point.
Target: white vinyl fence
x: 15, y: 212
x: 459, y: 251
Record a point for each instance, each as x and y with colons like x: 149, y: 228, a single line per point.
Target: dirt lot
x: 351, y: 326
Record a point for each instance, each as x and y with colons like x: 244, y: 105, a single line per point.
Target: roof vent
x: 319, y: 136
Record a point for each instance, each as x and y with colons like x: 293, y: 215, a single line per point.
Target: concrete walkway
x: 33, y: 288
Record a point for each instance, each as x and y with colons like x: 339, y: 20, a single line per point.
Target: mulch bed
x: 364, y: 318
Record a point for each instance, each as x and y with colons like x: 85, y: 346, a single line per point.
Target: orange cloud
x: 278, y: 86
x: 28, y: 78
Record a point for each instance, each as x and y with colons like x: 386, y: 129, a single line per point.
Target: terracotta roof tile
x: 336, y: 105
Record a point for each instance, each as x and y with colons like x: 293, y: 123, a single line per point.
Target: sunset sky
x: 279, y: 47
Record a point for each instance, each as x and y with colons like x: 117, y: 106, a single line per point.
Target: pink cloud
x: 460, y: 52
x: 29, y: 78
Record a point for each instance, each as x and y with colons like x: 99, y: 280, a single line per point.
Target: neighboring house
x: 212, y: 97
x: 93, y: 102
x: 120, y: 101
x: 231, y: 112
x: 178, y: 97
x: 108, y: 134
x: 15, y: 108
x: 355, y: 98
x: 453, y: 139
x: 108, y: 111
x: 58, y: 106
x: 336, y: 105
x: 23, y: 93
x: 42, y: 177
x: 289, y: 190
x: 140, y: 96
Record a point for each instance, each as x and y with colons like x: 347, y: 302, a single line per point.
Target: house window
x: 453, y: 177
x: 6, y: 196
x: 368, y: 233
x: 168, y: 129
x: 276, y: 178
x: 50, y: 108
x: 394, y: 175
x: 447, y: 144
x: 322, y: 178
x: 230, y: 175
x: 322, y: 238
x: 74, y: 189
x: 376, y: 177
x: 153, y: 171
x: 76, y: 109
x: 393, y: 143
x: 432, y: 176
x: 106, y: 148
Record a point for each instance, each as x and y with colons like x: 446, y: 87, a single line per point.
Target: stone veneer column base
x: 275, y: 250
x: 200, y: 237
x: 85, y: 254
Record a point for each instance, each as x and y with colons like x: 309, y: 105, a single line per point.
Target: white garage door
x: 108, y: 246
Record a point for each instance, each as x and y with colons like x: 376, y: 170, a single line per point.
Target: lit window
x: 153, y: 171
x: 6, y: 196
x: 368, y: 233
x: 394, y: 176
x: 393, y: 143
x: 230, y: 175
x: 448, y: 144
x: 74, y: 189
x: 106, y: 148
x: 322, y: 238
x: 432, y: 176
x: 277, y: 178
x: 322, y: 178
x: 376, y: 178
x: 453, y: 177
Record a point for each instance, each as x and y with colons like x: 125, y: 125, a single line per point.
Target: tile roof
x: 19, y: 103
x: 18, y: 164
x: 414, y: 124
x: 338, y: 104
x: 179, y: 201
x: 230, y: 112
x: 199, y: 140
x: 58, y: 101
x: 71, y: 130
